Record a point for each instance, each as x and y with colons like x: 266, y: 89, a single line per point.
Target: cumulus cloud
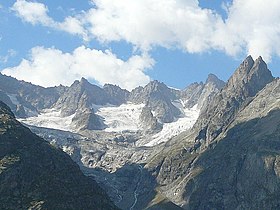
x: 251, y: 26
x: 37, y: 13
x: 50, y: 67
x: 32, y: 12
x: 254, y: 26
x: 146, y: 23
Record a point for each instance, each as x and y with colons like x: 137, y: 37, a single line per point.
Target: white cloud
x: 145, y: 23
x: 252, y: 26
x: 50, y: 67
x: 37, y: 13
x: 32, y: 12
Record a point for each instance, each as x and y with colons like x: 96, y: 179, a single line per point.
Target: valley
x: 156, y: 147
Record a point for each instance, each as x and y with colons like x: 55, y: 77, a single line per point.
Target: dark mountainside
x: 35, y: 175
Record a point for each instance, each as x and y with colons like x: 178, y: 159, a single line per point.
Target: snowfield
x: 50, y: 118
x: 174, y: 128
x: 121, y: 118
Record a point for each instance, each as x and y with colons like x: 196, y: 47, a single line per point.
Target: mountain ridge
x: 181, y: 145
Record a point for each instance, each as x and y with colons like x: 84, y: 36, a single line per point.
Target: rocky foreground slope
x: 36, y: 175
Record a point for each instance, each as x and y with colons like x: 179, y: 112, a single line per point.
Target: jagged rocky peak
x: 251, y: 76
x: 212, y: 87
x: 155, y: 85
x: 80, y: 95
x: 84, y: 84
x: 159, y: 87
x: 190, y: 95
x: 153, y: 89
x: 213, y: 79
x: 136, y: 95
x: 32, y: 98
x: 158, y: 97
x: 117, y: 95
x: 241, y: 72
x: 201, y: 93
x: 84, y: 80
x: 248, y: 79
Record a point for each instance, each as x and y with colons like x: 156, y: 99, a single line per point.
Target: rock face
x: 190, y: 95
x: 240, y: 89
x: 117, y: 95
x: 157, y: 97
x: 148, y: 121
x: 80, y: 95
x: 32, y: 97
x: 78, y: 100
x: 230, y: 159
x: 202, y: 93
x: 243, y: 170
x: 86, y: 119
x: 35, y: 175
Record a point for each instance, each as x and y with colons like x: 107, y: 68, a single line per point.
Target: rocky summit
x: 212, y: 145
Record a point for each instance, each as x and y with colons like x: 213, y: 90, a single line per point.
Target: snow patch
x: 13, y: 98
x: 50, y: 118
x: 173, y: 88
x: 121, y: 118
x: 172, y: 129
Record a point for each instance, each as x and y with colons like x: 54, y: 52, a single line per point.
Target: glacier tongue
x: 50, y: 118
x: 172, y: 129
x: 121, y: 118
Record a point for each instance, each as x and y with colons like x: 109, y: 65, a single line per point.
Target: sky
x: 131, y: 42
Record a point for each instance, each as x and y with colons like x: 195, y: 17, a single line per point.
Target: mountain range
x: 212, y: 145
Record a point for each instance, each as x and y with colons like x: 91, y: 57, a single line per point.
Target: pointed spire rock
x: 249, y: 58
x: 213, y: 79
x: 83, y: 79
x: 248, y: 79
x: 251, y: 76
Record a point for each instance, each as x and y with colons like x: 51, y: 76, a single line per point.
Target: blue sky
x: 129, y: 42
